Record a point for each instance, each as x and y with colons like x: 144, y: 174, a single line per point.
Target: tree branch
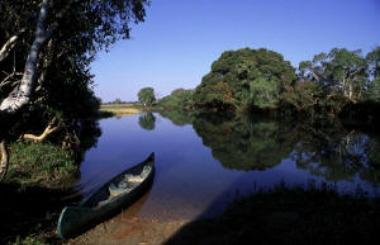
x: 9, y: 45
x: 51, y: 128
x: 8, y: 79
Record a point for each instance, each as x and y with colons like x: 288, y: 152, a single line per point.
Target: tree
x: 341, y: 71
x: 178, y: 100
x: 92, y: 25
x: 46, y: 48
x: 373, y: 93
x: 373, y: 59
x: 237, y: 78
x: 146, y: 96
x: 265, y: 94
x: 303, y: 95
x: 117, y: 101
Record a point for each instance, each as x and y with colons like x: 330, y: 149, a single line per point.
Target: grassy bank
x: 34, y: 192
x: 120, y: 109
x: 42, y: 165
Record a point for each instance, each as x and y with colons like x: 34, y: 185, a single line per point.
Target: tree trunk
x: 20, y: 96
x: 350, y: 91
x: 4, y: 159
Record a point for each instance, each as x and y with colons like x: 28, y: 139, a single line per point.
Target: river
x: 202, y: 165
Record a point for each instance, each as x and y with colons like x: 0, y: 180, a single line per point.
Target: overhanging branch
x: 9, y: 45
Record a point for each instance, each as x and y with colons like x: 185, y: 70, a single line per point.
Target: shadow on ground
x: 289, y: 216
x: 30, y: 212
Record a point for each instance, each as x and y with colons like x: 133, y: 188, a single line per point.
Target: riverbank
x: 120, y: 109
x: 287, y: 216
x: 34, y: 192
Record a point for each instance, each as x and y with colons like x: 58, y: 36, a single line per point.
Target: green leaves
x: 179, y: 100
x: 373, y: 93
x: 244, y: 78
x: 265, y: 93
x: 146, y: 96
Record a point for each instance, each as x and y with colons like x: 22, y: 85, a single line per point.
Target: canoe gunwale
x: 89, y: 203
x: 89, y: 216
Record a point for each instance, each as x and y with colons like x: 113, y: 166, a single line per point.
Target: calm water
x: 204, y: 164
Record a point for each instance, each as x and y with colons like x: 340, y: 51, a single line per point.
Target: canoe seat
x: 129, y: 181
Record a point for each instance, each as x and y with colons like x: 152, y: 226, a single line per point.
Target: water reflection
x: 330, y: 151
x: 147, y: 121
x: 244, y: 144
x: 344, y: 155
x: 204, y: 161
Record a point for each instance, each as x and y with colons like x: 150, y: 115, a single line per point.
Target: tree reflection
x: 245, y: 144
x: 323, y: 148
x: 338, y: 154
x: 179, y: 118
x: 147, y: 121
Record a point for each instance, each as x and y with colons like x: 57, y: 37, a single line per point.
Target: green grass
x: 40, y: 164
x: 34, y: 192
x: 29, y: 240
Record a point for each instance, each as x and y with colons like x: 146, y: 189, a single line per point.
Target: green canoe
x: 107, y: 201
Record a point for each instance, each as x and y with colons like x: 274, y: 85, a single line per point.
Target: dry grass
x: 121, y: 109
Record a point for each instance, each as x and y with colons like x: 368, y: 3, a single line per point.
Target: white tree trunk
x: 4, y: 159
x: 20, y: 96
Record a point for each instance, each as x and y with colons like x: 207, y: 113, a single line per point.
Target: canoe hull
x: 76, y: 220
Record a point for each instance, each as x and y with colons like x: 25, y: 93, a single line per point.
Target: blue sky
x: 180, y: 39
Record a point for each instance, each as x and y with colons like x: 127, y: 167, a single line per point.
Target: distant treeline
x: 119, y: 101
x: 338, y: 83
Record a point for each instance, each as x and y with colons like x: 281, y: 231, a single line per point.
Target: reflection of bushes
x: 324, y: 149
x: 177, y: 106
x: 244, y: 145
x: 147, y: 121
x: 338, y: 156
x: 178, y: 117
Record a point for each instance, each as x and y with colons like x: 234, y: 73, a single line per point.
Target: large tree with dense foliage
x: 179, y: 100
x: 46, y: 48
x: 53, y: 40
x: 244, y: 78
x: 342, y: 72
x: 146, y: 96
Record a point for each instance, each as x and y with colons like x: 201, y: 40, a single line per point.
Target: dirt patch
x: 130, y: 230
